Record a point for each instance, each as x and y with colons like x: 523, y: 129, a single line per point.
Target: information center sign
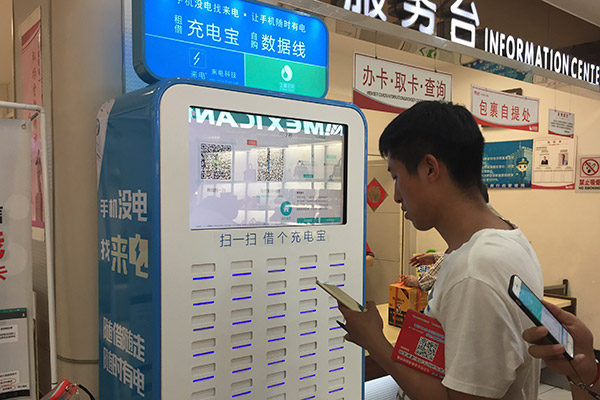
x: 231, y: 41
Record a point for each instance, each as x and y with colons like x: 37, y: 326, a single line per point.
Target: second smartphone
x: 539, y: 314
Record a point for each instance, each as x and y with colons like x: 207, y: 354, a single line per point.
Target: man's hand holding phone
x: 533, y: 307
x: 364, y: 328
x: 553, y: 354
x: 363, y: 324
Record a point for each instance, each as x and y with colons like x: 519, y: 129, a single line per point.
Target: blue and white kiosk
x: 219, y: 208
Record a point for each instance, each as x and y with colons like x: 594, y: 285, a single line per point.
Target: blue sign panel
x: 231, y: 41
x: 507, y: 164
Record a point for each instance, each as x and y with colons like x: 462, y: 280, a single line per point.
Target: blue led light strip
x: 336, y: 265
x: 333, y: 307
x: 334, y: 328
x: 276, y: 384
x: 336, y: 390
x: 203, y: 379
x: 241, y: 394
x: 242, y: 274
x: 276, y: 339
x: 241, y: 298
x: 308, y: 376
x: 199, y: 278
x: 308, y: 311
x: 308, y: 333
x: 203, y: 354
x: 276, y: 316
x: 336, y: 369
x: 311, y: 267
x: 275, y: 294
x: 203, y: 328
x: 203, y: 303
x: 276, y: 362
x: 308, y: 290
x: 241, y: 322
x: 276, y: 270
x: 241, y: 346
x: 308, y: 355
x: 243, y: 369
x: 308, y: 398
x: 341, y: 285
x: 336, y: 348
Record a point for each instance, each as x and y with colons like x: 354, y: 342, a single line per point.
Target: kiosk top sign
x: 237, y: 42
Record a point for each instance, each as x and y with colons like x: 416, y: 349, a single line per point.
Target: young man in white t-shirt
x: 434, y: 152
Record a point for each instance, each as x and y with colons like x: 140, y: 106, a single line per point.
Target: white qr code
x: 270, y: 165
x: 215, y: 161
x: 426, y: 349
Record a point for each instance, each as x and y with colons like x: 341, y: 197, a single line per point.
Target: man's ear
x: 432, y: 167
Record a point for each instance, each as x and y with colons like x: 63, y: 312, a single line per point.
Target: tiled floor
x: 553, y: 393
x: 385, y: 389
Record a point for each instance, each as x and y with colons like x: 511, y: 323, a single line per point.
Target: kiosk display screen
x: 250, y: 170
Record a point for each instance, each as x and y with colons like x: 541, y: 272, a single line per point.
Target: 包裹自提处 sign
x: 504, y: 110
x: 237, y: 42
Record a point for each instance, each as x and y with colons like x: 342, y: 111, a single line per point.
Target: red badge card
x: 420, y: 344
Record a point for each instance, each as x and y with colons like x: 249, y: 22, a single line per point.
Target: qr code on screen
x: 426, y: 349
x: 270, y: 165
x: 215, y: 161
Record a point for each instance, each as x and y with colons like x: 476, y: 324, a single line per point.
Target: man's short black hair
x: 444, y: 130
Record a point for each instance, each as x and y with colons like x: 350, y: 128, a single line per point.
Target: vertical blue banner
x: 128, y: 253
x: 507, y: 164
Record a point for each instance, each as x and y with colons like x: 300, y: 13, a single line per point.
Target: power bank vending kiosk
x: 218, y: 211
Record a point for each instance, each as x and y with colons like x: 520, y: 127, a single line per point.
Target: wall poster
x: 507, y: 165
x: 561, y: 123
x: 553, y: 163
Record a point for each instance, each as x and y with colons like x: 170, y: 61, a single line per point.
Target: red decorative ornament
x: 375, y: 194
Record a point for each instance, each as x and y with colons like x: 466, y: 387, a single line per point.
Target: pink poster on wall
x: 31, y: 84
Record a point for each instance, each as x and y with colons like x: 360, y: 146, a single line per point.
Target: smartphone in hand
x: 539, y: 314
x: 341, y: 296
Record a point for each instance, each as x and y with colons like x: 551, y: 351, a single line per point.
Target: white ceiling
x: 587, y: 10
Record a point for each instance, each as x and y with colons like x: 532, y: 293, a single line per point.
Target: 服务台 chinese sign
x: 231, y: 41
x: 460, y: 22
x: 504, y: 110
x: 389, y: 86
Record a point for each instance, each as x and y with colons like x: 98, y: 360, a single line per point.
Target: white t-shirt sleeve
x: 483, y: 348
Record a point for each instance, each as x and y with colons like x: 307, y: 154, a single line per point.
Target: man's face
x: 408, y: 191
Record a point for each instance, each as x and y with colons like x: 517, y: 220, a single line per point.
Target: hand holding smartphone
x: 341, y: 296
x: 539, y: 314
